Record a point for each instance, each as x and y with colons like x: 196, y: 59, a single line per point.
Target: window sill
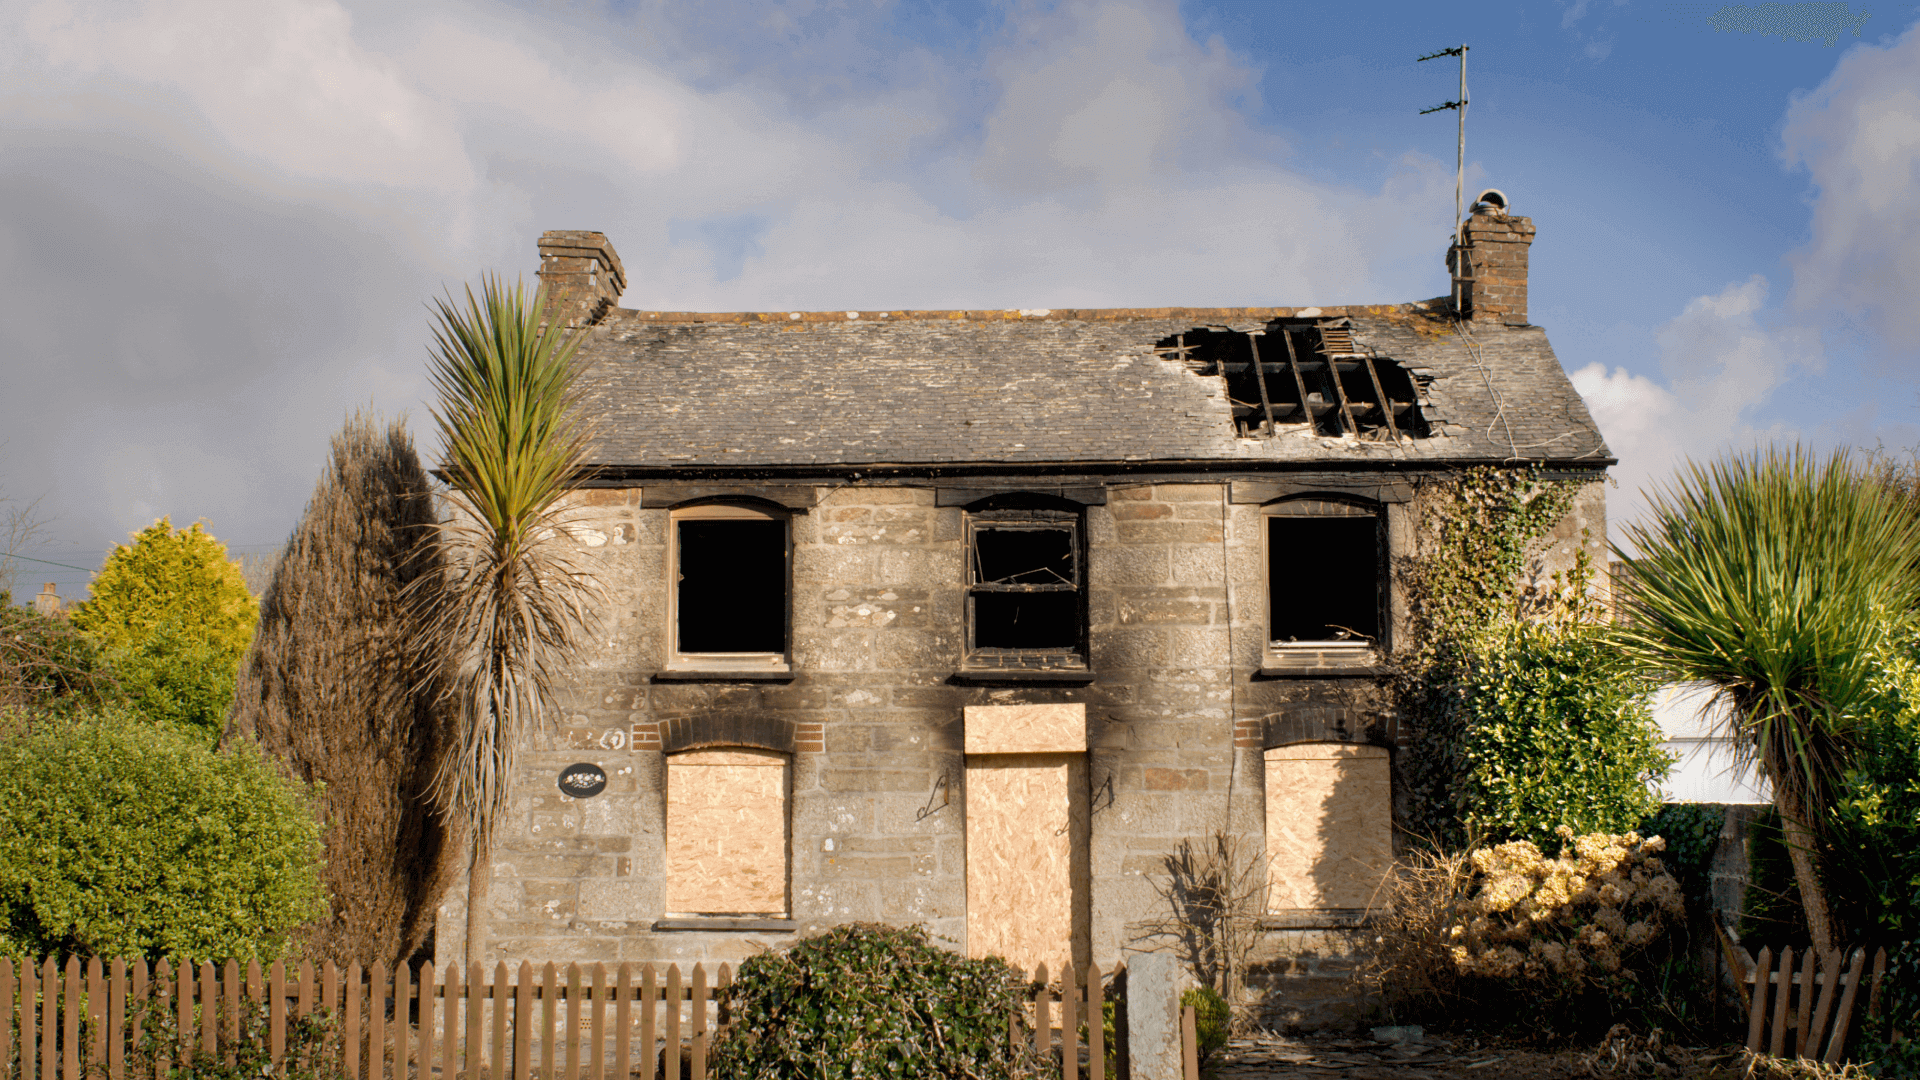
x: 722, y: 675
x: 1021, y: 676
x: 1270, y: 670
x: 778, y: 926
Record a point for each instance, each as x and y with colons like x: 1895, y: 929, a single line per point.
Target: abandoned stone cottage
x: 969, y: 618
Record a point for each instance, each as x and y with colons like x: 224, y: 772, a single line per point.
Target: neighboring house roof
x: 1087, y: 388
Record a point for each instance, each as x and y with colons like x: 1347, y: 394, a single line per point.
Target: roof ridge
x: 1223, y: 314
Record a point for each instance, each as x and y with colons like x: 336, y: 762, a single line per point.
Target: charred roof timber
x: 1305, y: 375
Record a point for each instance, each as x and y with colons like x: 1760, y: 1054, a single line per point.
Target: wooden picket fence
x: 574, y: 1023
x: 1805, y: 1008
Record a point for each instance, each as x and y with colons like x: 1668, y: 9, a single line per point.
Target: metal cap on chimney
x: 1490, y: 266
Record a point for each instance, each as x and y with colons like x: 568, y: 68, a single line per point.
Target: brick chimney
x: 1492, y: 279
x: 48, y: 601
x: 582, y: 275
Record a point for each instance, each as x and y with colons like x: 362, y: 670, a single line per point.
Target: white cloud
x: 1858, y: 137
x: 225, y: 216
x: 1721, y: 364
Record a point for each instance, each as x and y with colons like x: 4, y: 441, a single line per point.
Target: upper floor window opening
x: 1326, y: 580
x: 1026, y: 594
x: 730, y: 595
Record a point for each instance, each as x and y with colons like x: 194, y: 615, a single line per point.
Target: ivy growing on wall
x: 1521, y: 719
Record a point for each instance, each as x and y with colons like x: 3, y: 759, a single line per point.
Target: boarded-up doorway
x: 1027, y: 834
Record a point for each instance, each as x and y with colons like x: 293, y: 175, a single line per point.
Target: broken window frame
x: 1016, y: 514
x: 1320, y: 653
x: 745, y: 661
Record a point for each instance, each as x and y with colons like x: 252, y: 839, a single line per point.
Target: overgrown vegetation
x: 124, y: 838
x: 330, y: 690
x: 1776, y: 578
x: 1213, y: 898
x: 864, y: 1000
x: 1522, y: 719
x: 1563, y: 941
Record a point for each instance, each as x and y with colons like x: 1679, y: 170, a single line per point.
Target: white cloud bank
x: 1725, y: 356
x: 224, y: 218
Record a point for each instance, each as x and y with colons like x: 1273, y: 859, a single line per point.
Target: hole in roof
x: 1312, y: 376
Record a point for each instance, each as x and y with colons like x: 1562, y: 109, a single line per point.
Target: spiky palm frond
x: 514, y: 603
x: 1771, y: 577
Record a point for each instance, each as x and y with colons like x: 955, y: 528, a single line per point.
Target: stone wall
x: 1178, y: 719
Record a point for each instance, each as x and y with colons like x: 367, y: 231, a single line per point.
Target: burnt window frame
x: 1017, y: 512
x: 1279, y: 654
x: 748, y: 662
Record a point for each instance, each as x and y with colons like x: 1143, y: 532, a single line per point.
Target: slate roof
x: 1073, y: 388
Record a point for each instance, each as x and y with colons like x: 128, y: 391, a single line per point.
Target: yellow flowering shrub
x: 1575, y: 920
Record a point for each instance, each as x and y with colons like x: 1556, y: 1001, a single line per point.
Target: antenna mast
x: 1460, y: 162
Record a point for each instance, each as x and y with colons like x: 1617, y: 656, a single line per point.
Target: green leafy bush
x: 176, y: 679
x: 121, y: 838
x: 1211, y: 1020
x: 1692, y: 833
x: 1554, y: 733
x: 864, y: 1000
x: 314, y: 1047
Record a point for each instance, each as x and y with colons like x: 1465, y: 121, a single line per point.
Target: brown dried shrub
x: 331, y: 691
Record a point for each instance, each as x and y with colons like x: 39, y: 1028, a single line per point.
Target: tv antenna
x: 1460, y: 166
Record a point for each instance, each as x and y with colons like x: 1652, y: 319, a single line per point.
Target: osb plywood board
x: 1019, y: 857
x: 1026, y: 729
x: 1329, y: 825
x: 727, y: 833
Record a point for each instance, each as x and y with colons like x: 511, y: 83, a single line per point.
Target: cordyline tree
x: 505, y: 614
x: 1773, y: 578
x: 333, y: 692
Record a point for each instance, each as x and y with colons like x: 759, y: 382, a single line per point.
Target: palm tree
x: 1771, y: 577
x: 506, y: 616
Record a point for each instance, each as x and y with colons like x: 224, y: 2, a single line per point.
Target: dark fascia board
x: 796, y: 497
x: 1086, y: 495
x: 777, y: 926
x: 1372, y: 488
x: 1020, y: 677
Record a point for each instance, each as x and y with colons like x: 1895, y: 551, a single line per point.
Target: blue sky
x: 223, y: 220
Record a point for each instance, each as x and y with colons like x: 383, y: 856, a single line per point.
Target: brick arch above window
x: 754, y: 730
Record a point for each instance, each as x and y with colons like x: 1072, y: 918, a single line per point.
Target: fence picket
x: 1189, y: 1044
x: 670, y: 1003
x: 523, y: 1025
x: 647, y: 1015
x: 1879, y: 973
x: 1830, y: 972
x: 572, y: 1041
x: 476, y: 1019
x: 352, y: 1016
x: 1782, y: 993
x: 277, y: 1011
x: 377, y: 1021
x: 29, y: 990
x: 1042, y: 1027
x: 1757, y: 1007
x: 597, y: 1058
x: 502, y: 996
x: 136, y: 1011
x: 116, y: 1006
x: 424, y: 1033
x: 1809, y: 968
x: 70, y: 1027
x: 622, y: 1014
x: 1069, y: 1022
x: 699, y: 1024
x: 96, y: 1009
x: 1839, y: 1039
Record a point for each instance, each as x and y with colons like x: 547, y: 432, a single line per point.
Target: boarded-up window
x: 727, y: 833
x: 1329, y: 825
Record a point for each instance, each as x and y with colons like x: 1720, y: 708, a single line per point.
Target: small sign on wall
x: 583, y: 781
